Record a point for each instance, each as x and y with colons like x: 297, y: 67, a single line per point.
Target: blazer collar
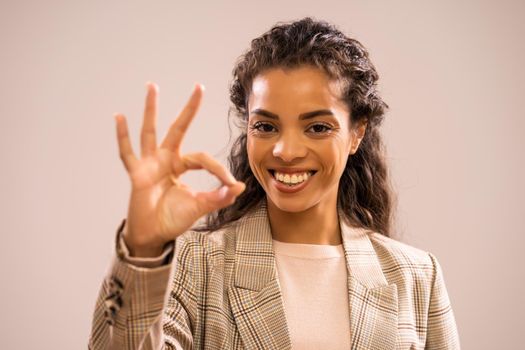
x: 373, y: 304
x: 254, y: 258
x: 256, y: 299
x: 255, y: 261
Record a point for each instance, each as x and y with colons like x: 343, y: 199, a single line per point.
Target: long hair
x: 365, y: 196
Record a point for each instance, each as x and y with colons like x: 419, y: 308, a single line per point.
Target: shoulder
x: 389, y: 248
x: 200, y: 256
x: 205, y: 245
x: 399, y: 259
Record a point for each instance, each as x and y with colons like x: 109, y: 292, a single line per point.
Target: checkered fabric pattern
x: 221, y: 292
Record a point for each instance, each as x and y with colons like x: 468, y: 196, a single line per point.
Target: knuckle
x: 178, y: 168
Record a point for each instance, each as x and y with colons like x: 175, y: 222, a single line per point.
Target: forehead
x: 301, y: 88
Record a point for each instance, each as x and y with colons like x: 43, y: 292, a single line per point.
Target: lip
x: 290, y: 189
x: 293, y: 170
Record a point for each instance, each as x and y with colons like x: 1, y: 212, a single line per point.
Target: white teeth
x: 292, y: 179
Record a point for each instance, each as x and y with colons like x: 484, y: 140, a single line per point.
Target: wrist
x: 141, y: 249
x: 144, y: 251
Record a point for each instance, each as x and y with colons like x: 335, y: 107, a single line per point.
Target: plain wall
x: 451, y: 72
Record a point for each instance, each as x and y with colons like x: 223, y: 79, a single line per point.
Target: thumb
x: 221, y: 197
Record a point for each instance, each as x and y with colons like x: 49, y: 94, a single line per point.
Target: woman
x: 295, y: 250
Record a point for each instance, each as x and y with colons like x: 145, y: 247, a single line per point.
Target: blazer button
x: 110, y: 312
x: 113, y: 301
x: 115, y: 285
x: 109, y: 319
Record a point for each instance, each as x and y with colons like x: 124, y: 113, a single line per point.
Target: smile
x: 293, y: 178
x: 291, y: 181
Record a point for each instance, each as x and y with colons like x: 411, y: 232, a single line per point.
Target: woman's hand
x: 161, y: 207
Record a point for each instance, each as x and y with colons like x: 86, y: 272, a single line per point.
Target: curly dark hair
x: 365, y: 195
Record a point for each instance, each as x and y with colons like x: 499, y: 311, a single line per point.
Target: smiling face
x: 299, y: 137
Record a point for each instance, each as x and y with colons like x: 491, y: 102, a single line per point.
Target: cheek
x: 252, y: 149
x: 258, y: 148
x: 334, y: 155
x: 256, y: 151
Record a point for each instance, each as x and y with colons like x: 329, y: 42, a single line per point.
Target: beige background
x: 451, y: 71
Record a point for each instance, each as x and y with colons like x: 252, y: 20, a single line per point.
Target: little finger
x: 125, y: 150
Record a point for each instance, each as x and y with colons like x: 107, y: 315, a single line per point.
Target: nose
x: 289, y: 147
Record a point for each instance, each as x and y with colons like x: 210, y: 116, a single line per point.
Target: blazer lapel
x: 256, y: 300
x: 372, y: 301
x: 255, y: 296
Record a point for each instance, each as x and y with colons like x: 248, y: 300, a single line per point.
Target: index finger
x: 203, y: 160
x: 173, y: 139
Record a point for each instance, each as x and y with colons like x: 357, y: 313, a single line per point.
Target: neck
x: 316, y: 225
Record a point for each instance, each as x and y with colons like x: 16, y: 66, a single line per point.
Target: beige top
x: 313, y: 281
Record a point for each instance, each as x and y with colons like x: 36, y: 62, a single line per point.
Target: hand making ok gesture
x: 161, y: 207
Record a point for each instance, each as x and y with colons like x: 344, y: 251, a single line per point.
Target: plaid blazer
x: 224, y: 294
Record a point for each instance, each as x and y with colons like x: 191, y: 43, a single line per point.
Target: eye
x: 320, y: 128
x: 263, y: 127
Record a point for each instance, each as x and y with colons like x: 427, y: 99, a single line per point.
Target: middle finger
x: 148, y: 138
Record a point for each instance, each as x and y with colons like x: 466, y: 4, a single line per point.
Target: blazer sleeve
x: 128, y: 310
x: 441, y: 328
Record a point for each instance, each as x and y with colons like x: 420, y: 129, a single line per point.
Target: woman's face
x: 299, y: 137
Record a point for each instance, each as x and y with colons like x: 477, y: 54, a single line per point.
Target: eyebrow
x: 303, y: 116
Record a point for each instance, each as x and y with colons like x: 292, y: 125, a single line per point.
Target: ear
x: 358, y: 132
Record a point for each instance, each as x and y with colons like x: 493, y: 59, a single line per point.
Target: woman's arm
x: 129, y: 306
x: 442, y: 331
x: 161, y: 208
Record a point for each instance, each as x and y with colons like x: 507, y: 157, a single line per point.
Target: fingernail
x: 199, y: 85
x: 223, y: 192
x: 152, y: 85
x: 243, y: 185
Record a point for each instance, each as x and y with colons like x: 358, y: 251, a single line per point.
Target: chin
x: 290, y: 205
